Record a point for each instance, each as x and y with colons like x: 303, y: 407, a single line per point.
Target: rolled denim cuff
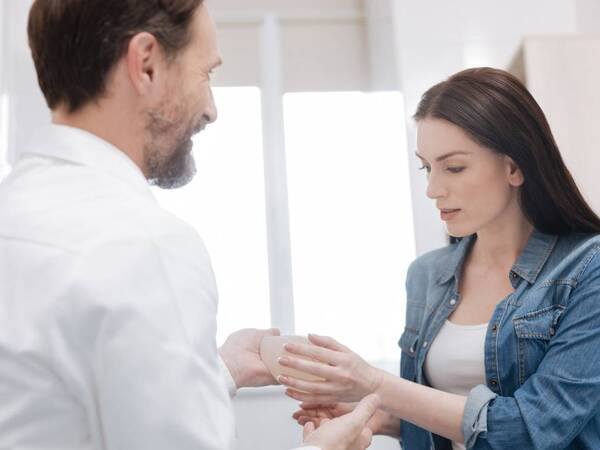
x: 475, y: 417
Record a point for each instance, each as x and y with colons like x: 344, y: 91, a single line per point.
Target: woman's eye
x: 455, y: 169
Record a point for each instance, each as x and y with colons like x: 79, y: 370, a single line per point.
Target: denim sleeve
x: 475, y: 416
x: 554, y: 404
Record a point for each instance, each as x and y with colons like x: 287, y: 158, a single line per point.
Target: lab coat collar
x: 84, y: 148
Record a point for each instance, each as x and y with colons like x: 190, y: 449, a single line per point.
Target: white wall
x: 436, y: 39
x: 588, y: 16
x: 562, y: 73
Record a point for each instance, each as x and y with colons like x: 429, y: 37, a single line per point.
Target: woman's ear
x: 513, y: 172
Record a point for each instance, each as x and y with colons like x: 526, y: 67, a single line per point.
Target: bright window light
x: 225, y: 203
x: 350, y: 217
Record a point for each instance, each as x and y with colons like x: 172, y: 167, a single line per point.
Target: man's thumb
x: 365, y: 409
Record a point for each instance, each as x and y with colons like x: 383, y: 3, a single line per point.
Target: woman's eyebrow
x: 446, y: 155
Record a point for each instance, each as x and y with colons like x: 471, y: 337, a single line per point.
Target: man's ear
x: 513, y: 172
x: 144, y: 59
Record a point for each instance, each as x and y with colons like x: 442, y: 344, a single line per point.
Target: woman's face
x: 473, y: 187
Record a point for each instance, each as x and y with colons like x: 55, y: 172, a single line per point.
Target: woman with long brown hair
x: 500, y: 346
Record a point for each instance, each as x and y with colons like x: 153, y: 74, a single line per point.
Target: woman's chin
x: 458, y: 232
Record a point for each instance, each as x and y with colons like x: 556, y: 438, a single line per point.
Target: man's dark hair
x: 76, y: 43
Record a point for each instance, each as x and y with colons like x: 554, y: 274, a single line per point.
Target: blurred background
x: 308, y: 194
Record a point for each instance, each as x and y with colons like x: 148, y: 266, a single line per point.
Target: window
x: 350, y: 214
x: 350, y: 217
x: 225, y: 203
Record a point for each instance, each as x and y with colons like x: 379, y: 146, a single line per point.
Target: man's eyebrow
x: 446, y: 155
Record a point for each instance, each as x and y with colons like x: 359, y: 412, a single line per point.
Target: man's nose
x: 210, y: 113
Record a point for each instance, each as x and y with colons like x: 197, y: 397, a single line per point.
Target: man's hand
x: 348, y: 432
x: 240, y: 352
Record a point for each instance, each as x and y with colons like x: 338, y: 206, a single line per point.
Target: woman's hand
x: 346, y: 376
x: 348, y: 432
x: 316, y: 413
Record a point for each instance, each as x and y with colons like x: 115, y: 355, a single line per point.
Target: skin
x: 483, y: 186
x: 348, y: 432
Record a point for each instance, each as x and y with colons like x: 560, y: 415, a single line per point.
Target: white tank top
x: 455, y: 361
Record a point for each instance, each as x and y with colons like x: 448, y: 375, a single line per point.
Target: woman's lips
x: 448, y: 214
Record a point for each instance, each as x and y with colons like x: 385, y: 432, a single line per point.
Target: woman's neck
x: 500, y: 244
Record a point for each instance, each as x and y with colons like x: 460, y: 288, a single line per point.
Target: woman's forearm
x: 437, y: 411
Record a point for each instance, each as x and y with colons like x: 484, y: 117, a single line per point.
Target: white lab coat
x: 107, y: 309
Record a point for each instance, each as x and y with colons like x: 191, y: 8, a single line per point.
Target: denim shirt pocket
x: 408, y: 344
x: 534, y: 331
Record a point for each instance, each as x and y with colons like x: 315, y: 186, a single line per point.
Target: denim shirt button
x: 425, y: 344
x: 493, y: 382
x: 495, y: 327
x: 453, y: 302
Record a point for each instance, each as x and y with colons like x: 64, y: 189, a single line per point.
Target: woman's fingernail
x: 283, y: 360
x: 282, y: 379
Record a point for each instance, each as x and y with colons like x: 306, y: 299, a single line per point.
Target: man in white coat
x: 107, y: 302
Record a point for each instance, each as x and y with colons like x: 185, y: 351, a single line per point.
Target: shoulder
x: 574, y: 257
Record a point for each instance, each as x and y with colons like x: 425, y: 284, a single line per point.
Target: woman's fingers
x: 314, y: 387
x: 308, y: 405
x: 314, y: 368
x: 327, y: 342
x: 311, y: 398
x: 322, y: 354
x: 304, y: 420
x: 305, y: 413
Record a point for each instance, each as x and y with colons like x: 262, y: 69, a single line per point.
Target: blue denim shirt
x: 542, y: 346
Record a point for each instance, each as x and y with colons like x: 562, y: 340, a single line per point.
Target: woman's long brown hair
x: 498, y: 112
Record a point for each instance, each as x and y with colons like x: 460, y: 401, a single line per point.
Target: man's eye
x: 455, y: 169
x: 426, y: 168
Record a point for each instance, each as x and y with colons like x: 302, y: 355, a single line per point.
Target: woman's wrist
x: 390, y: 389
x: 376, y: 378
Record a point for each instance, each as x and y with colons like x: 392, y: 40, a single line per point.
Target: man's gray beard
x: 168, y: 169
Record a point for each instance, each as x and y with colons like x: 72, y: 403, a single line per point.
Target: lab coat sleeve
x: 228, y: 378
x: 146, y: 326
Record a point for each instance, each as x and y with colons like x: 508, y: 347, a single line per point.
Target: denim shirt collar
x: 528, y: 264
x: 534, y: 255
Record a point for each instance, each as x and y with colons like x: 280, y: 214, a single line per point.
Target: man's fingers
x: 309, y: 427
x: 273, y: 332
x: 365, y: 410
x: 366, y: 436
